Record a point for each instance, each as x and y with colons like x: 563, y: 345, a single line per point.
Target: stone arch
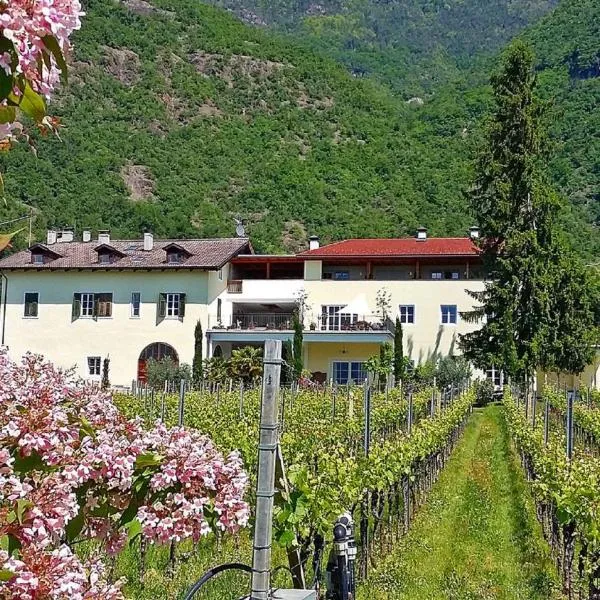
x: 157, y: 351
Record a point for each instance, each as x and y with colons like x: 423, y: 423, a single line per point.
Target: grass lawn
x: 477, y: 537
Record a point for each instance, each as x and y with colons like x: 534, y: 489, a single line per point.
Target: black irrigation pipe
x: 211, y: 573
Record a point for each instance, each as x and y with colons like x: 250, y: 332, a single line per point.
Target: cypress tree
x: 197, y: 366
x: 398, y: 352
x: 523, y: 299
x: 105, y: 376
x: 297, y: 347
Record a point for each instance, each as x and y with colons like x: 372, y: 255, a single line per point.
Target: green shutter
x: 161, y: 308
x: 96, y: 306
x: 76, y: 307
x: 181, y: 306
x: 34, y: 309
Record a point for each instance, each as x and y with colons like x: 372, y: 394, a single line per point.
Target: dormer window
x: 40, y: 254
x: 174, y: 257
x: 108, y: 254
x: 176, y: 254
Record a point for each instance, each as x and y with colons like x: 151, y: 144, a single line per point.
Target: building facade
x: 78, y: 302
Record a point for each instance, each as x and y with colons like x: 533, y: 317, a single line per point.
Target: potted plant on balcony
x: 313, y: 326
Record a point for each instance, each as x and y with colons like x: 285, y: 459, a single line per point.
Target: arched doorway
x: 156, y: 351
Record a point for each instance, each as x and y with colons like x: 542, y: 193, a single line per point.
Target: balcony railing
x: 355, y: 323
x: 277, y: 321
x: 235, y: 286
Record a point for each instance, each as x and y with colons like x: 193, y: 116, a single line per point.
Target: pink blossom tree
x: 72, y: 468
x: 34, y: 41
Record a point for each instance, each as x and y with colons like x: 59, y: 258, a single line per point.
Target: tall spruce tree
x: 197, y: 364
x: 297, y: 347
x: 398, y: 352
x: 522, y: 307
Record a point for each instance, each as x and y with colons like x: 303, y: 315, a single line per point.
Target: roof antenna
x: 240, y: 231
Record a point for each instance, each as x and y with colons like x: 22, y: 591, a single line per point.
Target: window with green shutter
x: 161, y: 307
x: 76, y: 307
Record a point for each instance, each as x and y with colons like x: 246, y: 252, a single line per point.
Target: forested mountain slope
x: 414, y: 45
x: 179, y: 117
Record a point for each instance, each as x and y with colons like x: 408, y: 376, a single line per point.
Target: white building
x: 78, y: 302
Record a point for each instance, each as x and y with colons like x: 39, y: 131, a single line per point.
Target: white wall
x: 428, y: 334
x: 256, y: 291
x: 121, y: 336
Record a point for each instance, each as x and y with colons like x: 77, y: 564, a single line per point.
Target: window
x: 135, y: 304
x: 345, y: 372
x: 103, y: 305
x: 449, y: 314
x: 407, y: 314
x: 93, y: 365
x: 171, y: 306
x: 173, y: 256
x: 330, y: 318
x: 436, y: 275
x: 105, y: 258
x: 495, y: 376
x: 31, y: 304
x: 341, y: 275
x: 37, y: 259
x: 219, y: 310
x: 220, y: 274
x: 451, y: 275
x: 87, y: 305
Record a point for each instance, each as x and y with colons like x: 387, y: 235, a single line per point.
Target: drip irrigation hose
x: 211, y: 573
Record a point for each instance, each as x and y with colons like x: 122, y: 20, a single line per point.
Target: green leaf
x: 6, y: 84
x: 53, y: 46
x: 6, y: 575
x: 150, y: 459
x: 7, y: 113
x: 22, y: 505
x: 86, y: 429
x: 74, y: 526
x: 26, y: 464
x: 129, y: 514
x: 134, y: 528
x: 13, y: 544
x: 32, y: 104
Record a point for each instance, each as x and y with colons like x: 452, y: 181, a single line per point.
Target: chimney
x: 148, y: 241
x: 474, y: 232
x: 104, y: 236
x: 313, y: 242
x: 66, y: 235
x: 51, y: 237
x: 422, y: 234
x: 87, y: 235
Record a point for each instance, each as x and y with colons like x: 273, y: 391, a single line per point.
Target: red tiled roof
x: 383, y: 248
x: 203, y: 254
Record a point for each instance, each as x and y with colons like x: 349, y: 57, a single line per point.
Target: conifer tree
x: 398, y: 351
x: 197, y: 364
x: 297, y: 347
x: 523, y: 305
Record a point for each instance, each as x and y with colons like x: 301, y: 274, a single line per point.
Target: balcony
x: 266, y: 321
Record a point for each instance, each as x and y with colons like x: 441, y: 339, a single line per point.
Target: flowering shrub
x: 71, y: 468
x: 34, y: 39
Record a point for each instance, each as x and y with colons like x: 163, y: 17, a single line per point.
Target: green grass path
x: 476, y: 538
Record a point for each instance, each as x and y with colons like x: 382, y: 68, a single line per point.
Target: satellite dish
x: 240, y: 231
